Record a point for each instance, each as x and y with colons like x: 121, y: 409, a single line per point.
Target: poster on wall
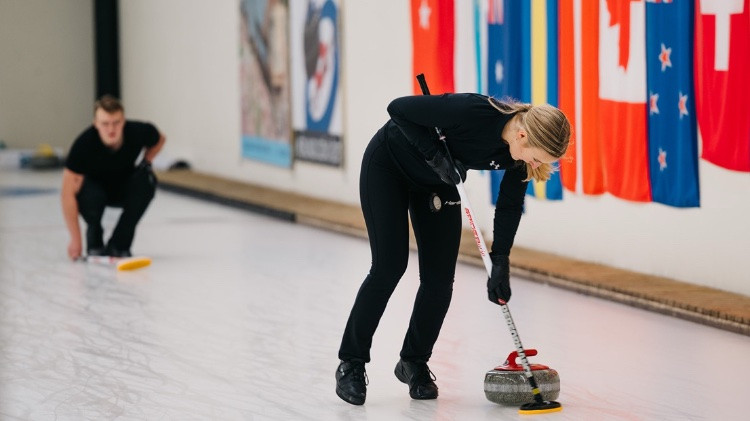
x: 264, y: 84
x: 316, y: 94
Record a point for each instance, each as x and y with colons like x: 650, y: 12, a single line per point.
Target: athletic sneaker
x: 113, y: 252
x: 351, y: 382
x: 420, y: 379
x: 96, y: 251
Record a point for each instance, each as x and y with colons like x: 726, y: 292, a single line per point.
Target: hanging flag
x: 480, y: 44
x: 544, y: 77
x: 622, y: 94
x: 508, y: 58
x: 498, y: 55
x: 432, y: 23
x: 722, y: 66
x: 581, y: 168
x: 672, y: 134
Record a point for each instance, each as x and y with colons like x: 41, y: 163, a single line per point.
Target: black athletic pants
x: 133, y: 196
x: 387, y: 196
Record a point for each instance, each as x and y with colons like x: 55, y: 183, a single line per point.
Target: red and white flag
x: 622, y: 98
x: 432, y: 25
x: 722, y: 81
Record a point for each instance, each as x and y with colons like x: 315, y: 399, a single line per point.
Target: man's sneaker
x: 113, y: 252
x: 420, y: 379
x: 351, y: 382
x: 93, y: 251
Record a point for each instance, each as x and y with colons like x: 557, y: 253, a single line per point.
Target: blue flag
x: 508, y: 58
x: 508, y: 47
x: 672, y: 130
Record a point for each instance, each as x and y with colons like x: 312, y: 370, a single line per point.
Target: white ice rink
x: 239, y: 318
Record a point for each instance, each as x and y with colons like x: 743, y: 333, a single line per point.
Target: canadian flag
x: 622, y: 98
x: 722, y: 66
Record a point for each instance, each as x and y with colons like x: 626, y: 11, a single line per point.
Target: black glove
x: 498, y: 284
x: 442, y: 167
x: 143, y: 169
x: 144, y: 165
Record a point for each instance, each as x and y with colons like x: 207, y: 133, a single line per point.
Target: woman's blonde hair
x: 547, y: 128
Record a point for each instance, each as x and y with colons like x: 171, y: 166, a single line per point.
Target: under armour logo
x: 493, y: 164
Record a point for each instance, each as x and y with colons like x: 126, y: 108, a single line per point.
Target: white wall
x: 47, y: 82
x: 180, y: 70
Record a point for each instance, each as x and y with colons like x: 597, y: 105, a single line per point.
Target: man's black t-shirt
x: 91, y: 158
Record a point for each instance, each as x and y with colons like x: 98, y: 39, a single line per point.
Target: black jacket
x: 473, y: 130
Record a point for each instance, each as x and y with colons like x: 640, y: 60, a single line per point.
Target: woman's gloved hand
x: 443, y: 168
x: 498, y: 283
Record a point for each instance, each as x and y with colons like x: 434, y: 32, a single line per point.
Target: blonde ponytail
x: 547, y: 127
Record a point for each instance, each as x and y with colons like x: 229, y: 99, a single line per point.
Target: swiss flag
x: 622, y: 98
x: 432, y: 23
x: 722, y: 81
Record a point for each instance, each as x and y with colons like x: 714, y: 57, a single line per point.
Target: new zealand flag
x: 672, y: 134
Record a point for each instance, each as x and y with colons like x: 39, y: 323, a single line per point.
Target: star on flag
x: 424, y: 15
x: 664, y: 57
x: 499, y: 71
x: 662, y: 158
x: 682, y: 105
x: 653, y: 108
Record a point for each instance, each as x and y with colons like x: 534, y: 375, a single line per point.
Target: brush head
x: 542, y: 407
x: 132, y: 263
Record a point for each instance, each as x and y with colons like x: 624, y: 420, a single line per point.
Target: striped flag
x: 544, y: 78
x: 581, y: 169
x: 672, y: 134
x: 523, y: 66
x: 722, y: 66
x: 432, y: 23
x: 480, y: 44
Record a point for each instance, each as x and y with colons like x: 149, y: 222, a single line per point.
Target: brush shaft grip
x: 423, y: 84
x: 426, y: 91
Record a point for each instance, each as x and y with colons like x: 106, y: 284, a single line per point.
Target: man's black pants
x: 132, y: 195
x: 387, y: 197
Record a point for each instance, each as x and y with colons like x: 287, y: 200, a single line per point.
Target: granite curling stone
x: 508, y: 385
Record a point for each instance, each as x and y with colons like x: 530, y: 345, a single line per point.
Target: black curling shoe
x: 420, y: 379
x: 351, y: 382
x: 115, y: 252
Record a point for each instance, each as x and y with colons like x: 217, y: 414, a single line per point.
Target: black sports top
x: 90, y: 157
x: 473, y: 130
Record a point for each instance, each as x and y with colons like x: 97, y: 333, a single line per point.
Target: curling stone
x: 44, y: 157
x: 508, y: 385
